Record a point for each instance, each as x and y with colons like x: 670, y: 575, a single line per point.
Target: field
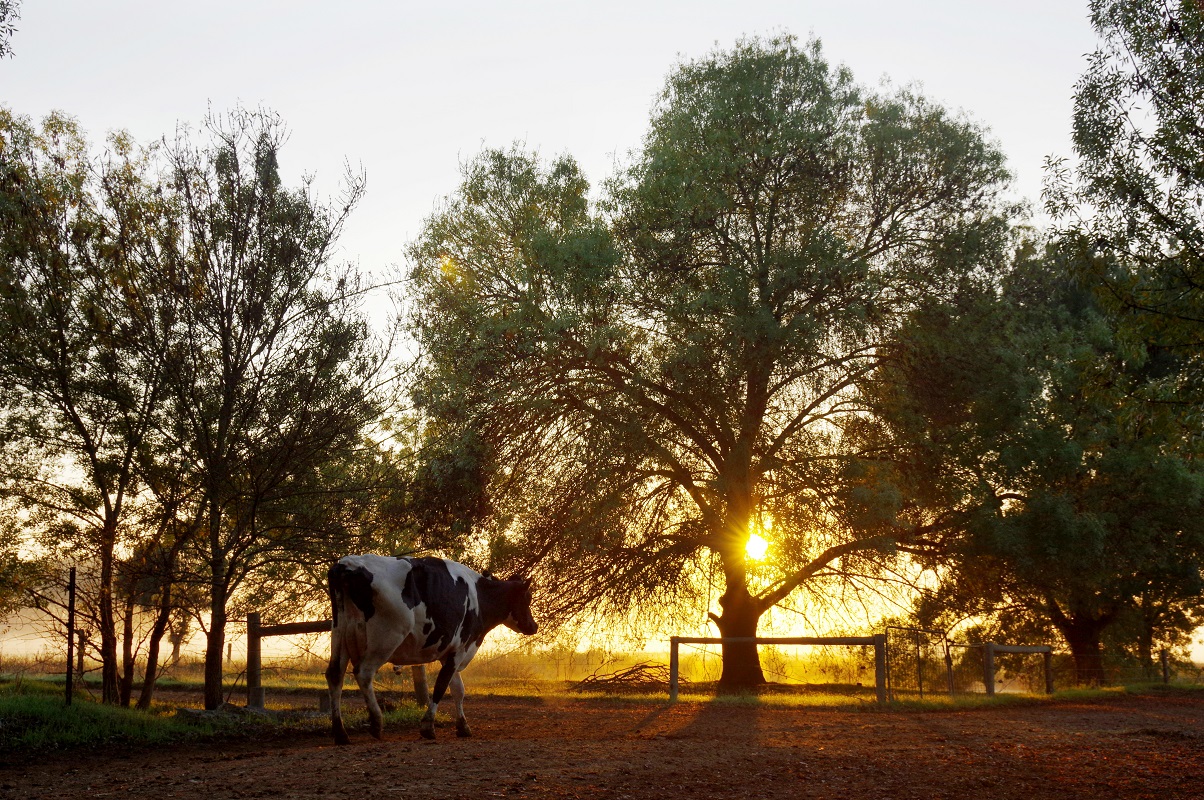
x: 1095, y: 745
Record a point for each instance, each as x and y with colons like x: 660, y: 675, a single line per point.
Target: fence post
x: 1049, y: 687
x: 949, y: 667
x: 71, y: 634
x: 255, y: 694
x: 988, y: 668
x: 421, y: 696
x: 1165, y: 658
x: 880, y: 666
x: 673, y: 667
x: 919, y: 666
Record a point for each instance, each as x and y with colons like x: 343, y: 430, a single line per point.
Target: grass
x: 34, y: 718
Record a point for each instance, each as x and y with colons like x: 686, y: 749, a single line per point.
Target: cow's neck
x: 494, y: 596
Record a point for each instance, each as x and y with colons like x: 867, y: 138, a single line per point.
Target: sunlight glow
x: 757, y: 547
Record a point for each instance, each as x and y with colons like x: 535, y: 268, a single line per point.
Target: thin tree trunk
x: 127, y: 653
x: 152, y: 647
x: 215, y: 643
x: 109, y: 689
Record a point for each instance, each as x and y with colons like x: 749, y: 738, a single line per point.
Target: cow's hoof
x: 340, y: 735
x: 427, y: 732
x: 374, y: 727
x: 462, y: 729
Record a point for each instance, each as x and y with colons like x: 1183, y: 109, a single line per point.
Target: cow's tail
x: 349, y: 583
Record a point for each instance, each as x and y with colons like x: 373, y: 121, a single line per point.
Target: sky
x: 410, y: 91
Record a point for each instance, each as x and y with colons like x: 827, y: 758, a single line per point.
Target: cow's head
x: 519, y: 606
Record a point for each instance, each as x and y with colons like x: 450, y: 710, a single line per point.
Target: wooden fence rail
x: 877, y: 641
x: 988, y: 663
x: 255, y: 634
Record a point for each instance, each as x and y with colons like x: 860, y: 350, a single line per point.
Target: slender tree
x: 80, y: 393
x: 274, y: 367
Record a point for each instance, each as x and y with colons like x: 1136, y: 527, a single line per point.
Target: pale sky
x: 411, y: 90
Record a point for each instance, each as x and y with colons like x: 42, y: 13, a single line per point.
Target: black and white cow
x: 414, y: 611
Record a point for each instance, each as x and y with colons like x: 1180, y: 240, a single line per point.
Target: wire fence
x: 917, y: 663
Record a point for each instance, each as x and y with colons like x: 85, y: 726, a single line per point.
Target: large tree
x: 644, y: 386
x: 1039, y: 480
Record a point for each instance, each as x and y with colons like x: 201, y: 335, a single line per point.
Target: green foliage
x: 1039, y: 475
x: 9, y: 14
x: 33, y: 719
x: 188, y: 377
x: 1139, y: 179
x: 633, y: 386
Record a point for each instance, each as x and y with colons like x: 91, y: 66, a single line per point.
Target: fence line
x: 256, y: 632
x: 988, y: 663
x: 878, y: 641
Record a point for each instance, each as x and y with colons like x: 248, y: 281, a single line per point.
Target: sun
x: 757, y: 547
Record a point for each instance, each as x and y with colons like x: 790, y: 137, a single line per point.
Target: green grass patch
x: 34, y: 718
x: 40, y: 721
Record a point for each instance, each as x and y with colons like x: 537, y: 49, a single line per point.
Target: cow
x: 412, y: 611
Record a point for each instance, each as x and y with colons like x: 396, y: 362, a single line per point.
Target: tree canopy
x: 648, y: 380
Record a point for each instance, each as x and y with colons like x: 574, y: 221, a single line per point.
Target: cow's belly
x: 411, y: 651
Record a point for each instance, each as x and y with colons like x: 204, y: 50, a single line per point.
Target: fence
x: 917, y: 661
x: 990, y: 649
x: 878, y: 641
x: 255, y: 634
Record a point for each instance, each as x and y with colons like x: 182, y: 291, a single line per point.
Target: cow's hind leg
x: 457, y: 693
x: 336, y: 671
x: 364, y: 674
x: 427, y: 726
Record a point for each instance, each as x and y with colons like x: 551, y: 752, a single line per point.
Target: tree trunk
x: 109, y: 690
x: 152, y: 647
x: 127, y: 653
x: 1083, y: 638
x: 215, y: 643
x: 1145, y: 636
x: 741, y: 663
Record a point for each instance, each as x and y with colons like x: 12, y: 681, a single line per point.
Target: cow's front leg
x: 457, y: 693
x: 364, y: 674
x: 427, y: 726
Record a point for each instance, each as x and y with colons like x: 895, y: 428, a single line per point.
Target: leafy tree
x: 1136, y: 196
x: 1037, y: 477
x: 9, y: 13
x: 639, y: 388
x: 79, y: 395
x: 274, y: 369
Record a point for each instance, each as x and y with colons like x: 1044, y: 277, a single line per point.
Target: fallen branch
x: 644, y: 676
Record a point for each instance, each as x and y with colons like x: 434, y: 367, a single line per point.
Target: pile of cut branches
x: 642, y: 677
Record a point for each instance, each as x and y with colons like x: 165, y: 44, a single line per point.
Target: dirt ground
x: 1123, y: 747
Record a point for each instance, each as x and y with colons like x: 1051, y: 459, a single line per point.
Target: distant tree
x: 638, y: 390
x: 1038, y: 480
x: 274, y: 370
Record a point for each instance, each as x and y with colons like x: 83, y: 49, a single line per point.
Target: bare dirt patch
x: 1122, y: 747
